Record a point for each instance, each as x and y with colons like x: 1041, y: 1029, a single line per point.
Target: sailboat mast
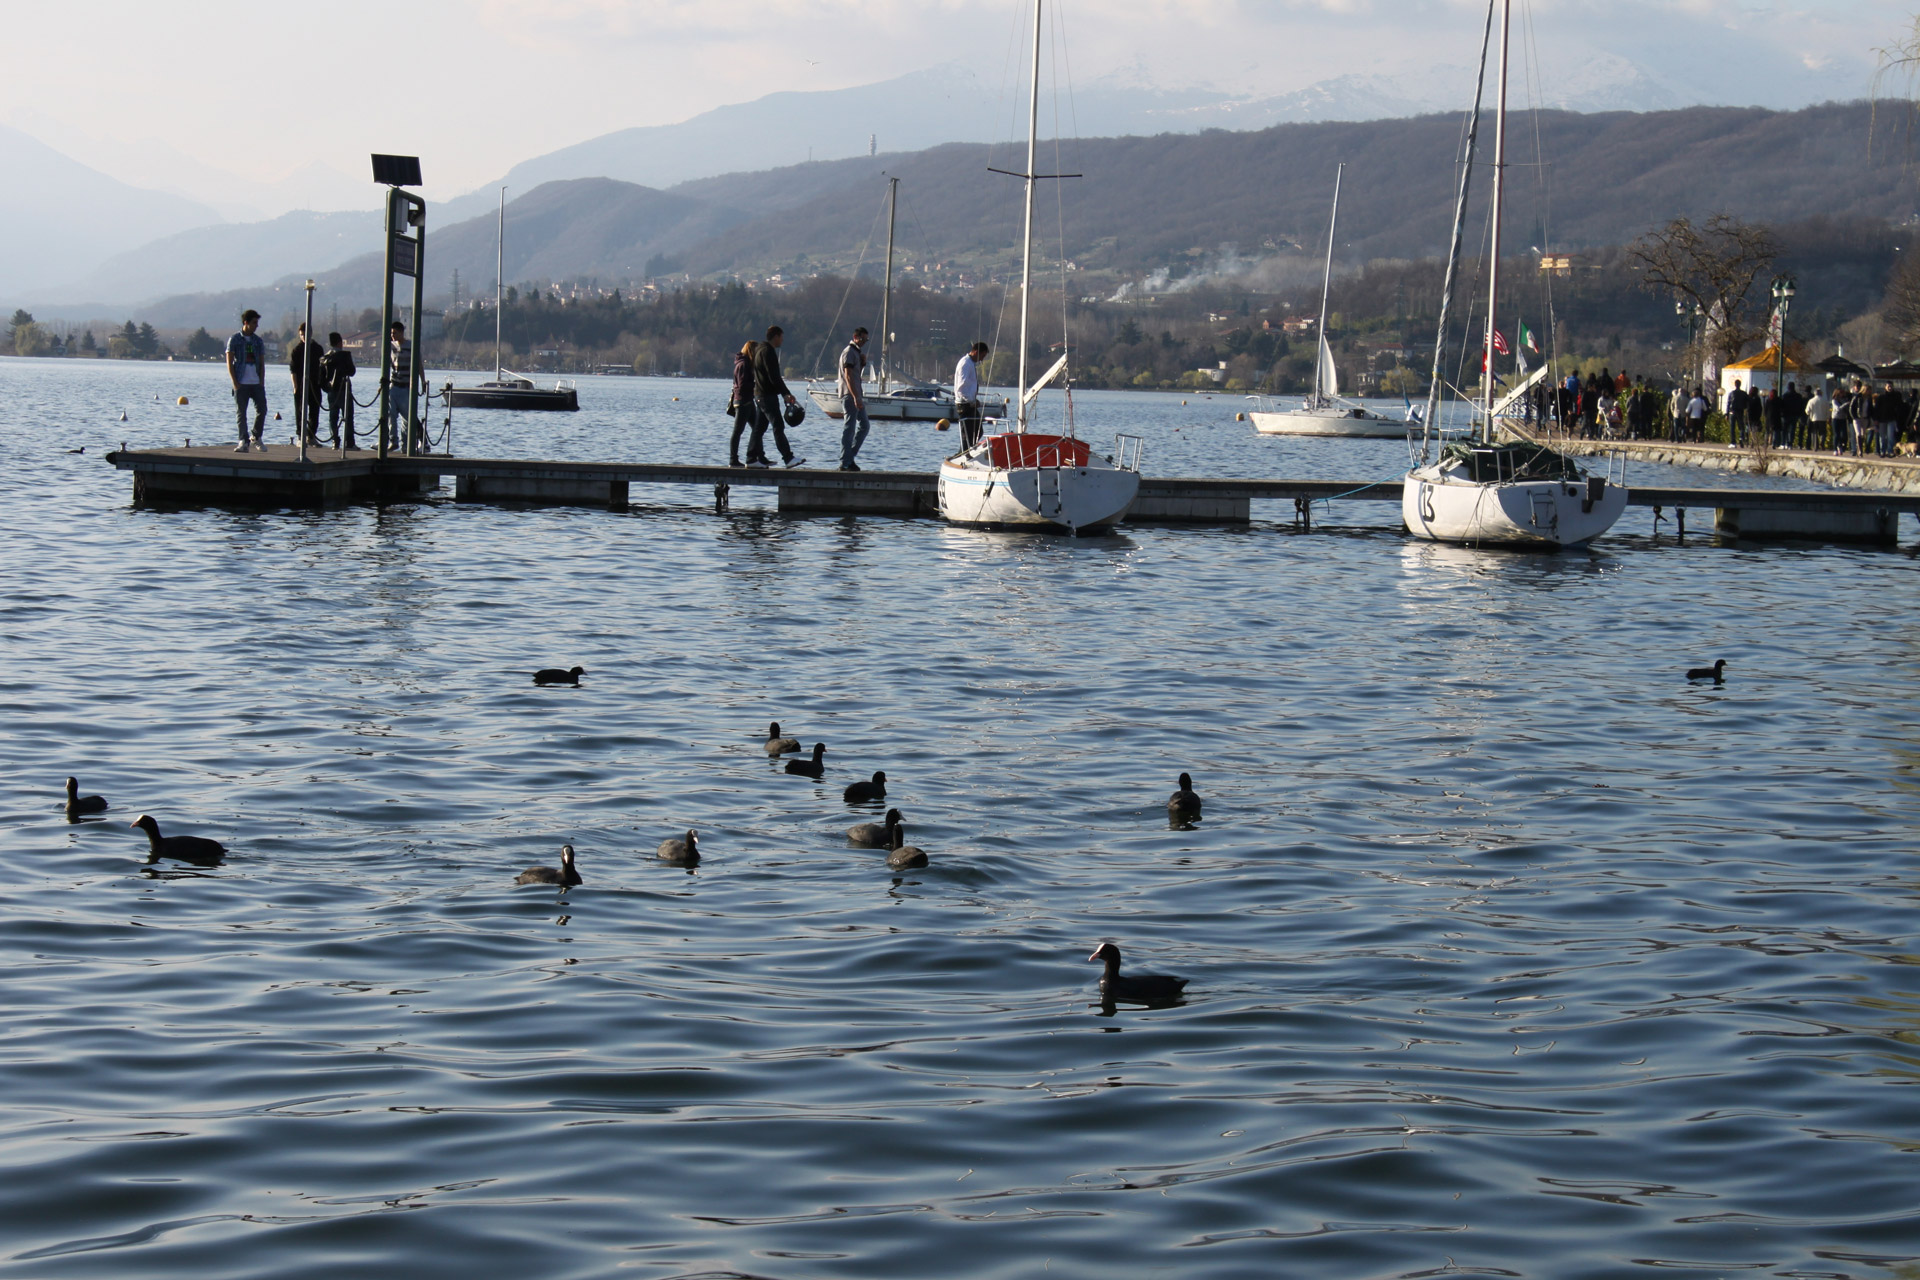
x: 1326, y: 284
x: 1499, y: 199
x: 499, y: 274
x: 1026, y: 241
x: 886, y: 296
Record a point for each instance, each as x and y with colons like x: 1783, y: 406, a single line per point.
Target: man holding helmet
x: 769, y: 389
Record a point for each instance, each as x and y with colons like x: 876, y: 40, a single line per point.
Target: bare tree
x: 1712, y: 266
x: 1901, y: 309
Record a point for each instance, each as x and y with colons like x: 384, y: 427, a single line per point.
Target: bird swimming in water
x: 1184, y: 803
x: 566, y: 873
x: 190, y: 848
x: 1115, y: 985
x: 904, y: 855
x: 1713, y: 673
x: 811, y: 768
x: 78, y: 804
x: 862, y: 792
x: 680, y: 851
x: 554, y: 675
x: 778, y: 745
x: 875, y: 835
x: 81, y: 449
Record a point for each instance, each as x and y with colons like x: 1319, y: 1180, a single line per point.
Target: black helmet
x: 795, y: 414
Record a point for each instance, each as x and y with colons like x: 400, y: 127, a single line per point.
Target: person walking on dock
x: 247, y: 367
x: 303, y: 362
x: 770, y: 389
x: 853, y: 402
x: 336, y: 376
x: 966, y: 394
x: 741, y: 405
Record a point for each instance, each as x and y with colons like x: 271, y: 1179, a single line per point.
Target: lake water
x: 1511, y: 953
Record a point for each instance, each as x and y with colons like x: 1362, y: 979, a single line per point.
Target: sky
x: 211, y: 91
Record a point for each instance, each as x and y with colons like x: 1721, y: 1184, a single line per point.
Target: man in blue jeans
x: 247, y: 367
x: 853, y: 401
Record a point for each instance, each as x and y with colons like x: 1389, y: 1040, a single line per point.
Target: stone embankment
x: 1881, y: 475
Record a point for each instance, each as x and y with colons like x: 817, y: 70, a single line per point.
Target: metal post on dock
x: 307, y: 367
x: 404, y: 211
x: 417, y: 367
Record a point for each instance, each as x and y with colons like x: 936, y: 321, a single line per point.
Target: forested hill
x: 1183, y: 204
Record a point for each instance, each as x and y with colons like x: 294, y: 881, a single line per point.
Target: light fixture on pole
x: 1783, y: 291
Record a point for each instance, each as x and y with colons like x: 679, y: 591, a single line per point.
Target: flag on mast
x: 1528, y: 341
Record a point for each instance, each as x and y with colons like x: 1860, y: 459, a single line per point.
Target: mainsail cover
x: 1327, y: 377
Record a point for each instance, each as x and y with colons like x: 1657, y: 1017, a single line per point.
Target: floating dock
x: 278, y: 476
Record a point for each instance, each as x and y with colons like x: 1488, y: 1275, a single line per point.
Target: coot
x: 1133, y: 986
x: 78, y: 804
x: 680, y: 851
x: 811, y: 768
x: 863, y: 792
x: 874, y: 835
x: 566, y: 874
x: 554, y: 675
x: 1184, y: 803
x: 777, y: 745
x: 1713, y: 673
x: 191, y: 848
x: 903, y: 854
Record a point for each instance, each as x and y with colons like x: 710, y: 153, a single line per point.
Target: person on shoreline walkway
x: 1697, y: 416
x: 740, y: 405
x: 853, y: 401
x: 1820, y: 418
x: 770, y: 389
x: 336, y: 376
x: 1677, y: 412
x: 1736, y: 412
x: 247, y: 368
x: 1888, y: 409
x: 303, y: 362
x: 966, y: 394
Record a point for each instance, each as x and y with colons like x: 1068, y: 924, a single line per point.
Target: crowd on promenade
x: 1839, y: 416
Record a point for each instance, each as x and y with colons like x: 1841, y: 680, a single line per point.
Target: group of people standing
x: 318, y: 373
x: 759, y: 389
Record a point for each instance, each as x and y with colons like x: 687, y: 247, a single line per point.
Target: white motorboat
x: 1324, y: 412
x: 1020, y: 478
x: 1481, y: 491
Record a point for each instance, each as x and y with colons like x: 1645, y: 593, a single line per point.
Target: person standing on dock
x: 853, y: 403
x: 303, y: 362
x: 770, y: 389
x: 741, y: 405
x: 395, y: 409
x: 966, y: 394
x: 336, y: 375
x: 247, y: 367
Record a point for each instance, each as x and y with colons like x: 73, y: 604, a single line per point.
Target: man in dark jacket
x: 303, y: 362
x: 769, y: 390
x: 336, y: 375
x: 741, y: 404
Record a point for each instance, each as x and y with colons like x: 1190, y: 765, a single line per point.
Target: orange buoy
x: 181, y: 400
x: 942, y: 425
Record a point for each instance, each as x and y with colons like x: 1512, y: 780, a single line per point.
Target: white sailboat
x: 1481, y: 491
x: 509, y: 390
x: 911, y: 400
x: 1030, y: 479
x: 1325, y: 413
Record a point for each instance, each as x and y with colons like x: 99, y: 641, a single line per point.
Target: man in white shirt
x: 966, y: 394
x: 247, y: 368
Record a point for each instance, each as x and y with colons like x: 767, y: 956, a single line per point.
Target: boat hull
x: 1079, y: 498
x: 1357, y: 423
x: 902, y: 408
x: 563, y: 400
x: 1518, y: 513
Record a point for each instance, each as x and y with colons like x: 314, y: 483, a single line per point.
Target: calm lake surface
x: 1512, y: 954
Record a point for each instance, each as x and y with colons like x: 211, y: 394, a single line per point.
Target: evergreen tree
x: 203, y: 345
x: 87, y: 344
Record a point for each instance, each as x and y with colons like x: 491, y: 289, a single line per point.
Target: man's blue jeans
x: 254, y: 393
x: 854, y: 433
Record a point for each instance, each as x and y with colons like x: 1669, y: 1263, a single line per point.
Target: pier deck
x: 277, y: 477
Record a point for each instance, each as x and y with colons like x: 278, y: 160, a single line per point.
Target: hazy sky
x: 472, y: 87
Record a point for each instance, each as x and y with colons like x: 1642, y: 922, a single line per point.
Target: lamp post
x: 1688, y: 311
x: 1783, y: 289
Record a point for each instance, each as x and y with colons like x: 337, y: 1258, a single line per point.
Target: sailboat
x: 894, y: 397
x: 1325, y: 413
x: 1481, y: 490
x: 1025, y: 478
x: 509, y: 390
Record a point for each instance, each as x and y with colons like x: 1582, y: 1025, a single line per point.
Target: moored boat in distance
x: 508, y: 390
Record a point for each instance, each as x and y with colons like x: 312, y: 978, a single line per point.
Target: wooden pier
x: 278, y: 477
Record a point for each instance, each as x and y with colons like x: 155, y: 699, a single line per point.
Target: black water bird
x: 811, y: 768
x: 81, y: 449
x: 78, y: 804
x: 1184, y: 803
x: 1714, y: 673
x: 864, y: 792
x: 875, y: 835
x: 1115, y: 985
x: 190, y: 848
x: 554, y: 675
x: 904, y: 855
x: 680, y: 851
x: 566, y: 873
x: 777, y: 745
